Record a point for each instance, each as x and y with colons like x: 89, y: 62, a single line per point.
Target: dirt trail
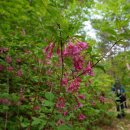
x: 120, y: 124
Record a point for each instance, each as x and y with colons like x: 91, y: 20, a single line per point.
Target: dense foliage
x: 50, y: 76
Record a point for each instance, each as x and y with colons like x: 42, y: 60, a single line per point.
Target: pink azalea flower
x: 36, y: 107
x: 70, y: 47
x: 10, y: 68
x: 58, y: 51
x: 80, y: 105
x: 8, y: 59
x: 60, y: 102
x: 18, y: 60
x: 81, y: 117
x: 76, y: 50
x: 78, y: 79
x: 2, y: 50
x: 65, y: 52
x: 46, y: 49
x: 88, y: 67
x: 19, y: 73
x: 49, y: 50
x: 65, y: 113
x: 81, y: 96
x: 64, y: 81
x: 91, y: 73
x: 48, y: 62
x: 4, y: 101
x: 5, y: 49
x: 71, y: 50
x: 83, y: 45
x: 49, y: 55
x: 74, y: 86
x: 78, y: 62
x: 102, y: 99
x: 88, y: 70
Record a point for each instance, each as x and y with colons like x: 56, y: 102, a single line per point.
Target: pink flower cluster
x: 60, y: 102
x: 81, y: 117
x: 58, y: 52
x: 64, y: 81
x: 88, y: 69
x: 81, y: 96
x: 78, y: 62
x: 8, y: 59
x: 65, y: 113
x: 74, y: 50
x: 101, y: 99
x: 74, y: 85
x: 80, y: 105
x: 19, y: 73
x: 18, y: 60
x: 4, y: 101
x: 10, y: 68
x: 2, y: 50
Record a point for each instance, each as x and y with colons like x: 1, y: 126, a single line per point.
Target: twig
x: 62, y: 59
x: 105, y: 54
x: 49, y: 117
x: 6, y: 120
x: 6, y: 115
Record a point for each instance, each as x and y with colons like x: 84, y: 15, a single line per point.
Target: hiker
x: 120, y: 98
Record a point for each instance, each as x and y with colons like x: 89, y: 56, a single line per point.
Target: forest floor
x: 120, y: 124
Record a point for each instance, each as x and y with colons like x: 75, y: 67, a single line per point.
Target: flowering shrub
x: 46, y: 89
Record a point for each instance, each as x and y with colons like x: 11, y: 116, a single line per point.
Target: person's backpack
x: 118, y: 89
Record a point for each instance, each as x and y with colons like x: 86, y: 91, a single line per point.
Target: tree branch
x: 105, y: 54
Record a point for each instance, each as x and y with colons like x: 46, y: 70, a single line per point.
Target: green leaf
x: 5, y: 108
x: 101, y: 67
x: 89, y: 50
x: 37, y: 121
x: 48, y: 103
x: 25, y: 124
x: 79, y: 128
x: 50, y: 96
x: 64, y: 127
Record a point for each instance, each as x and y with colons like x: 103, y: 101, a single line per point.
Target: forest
x: 64, y: 65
